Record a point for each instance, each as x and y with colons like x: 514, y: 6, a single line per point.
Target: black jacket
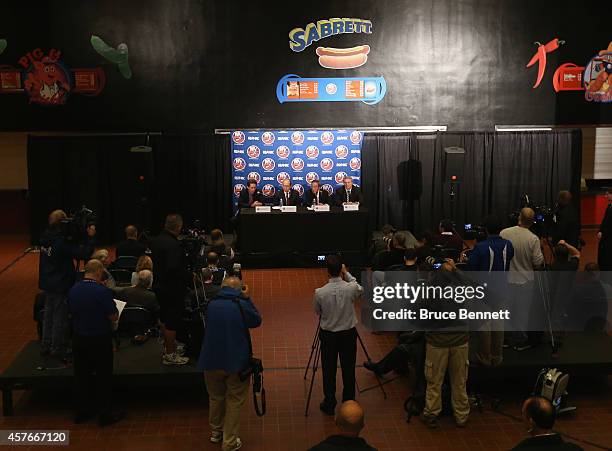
x: 56, y: 270
x: 606, y: 225
x: 130, y: 248
x: 342, y: 443
x: 355, y: 195
x: 552, y: 442
x: 243, y: 199
x: 171, y: 274
x: 567, y: 226
x: 309, y: 197
x: 139, y: 297
x: 294, y: 198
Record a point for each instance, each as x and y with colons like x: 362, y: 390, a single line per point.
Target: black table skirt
x: 304, y: 231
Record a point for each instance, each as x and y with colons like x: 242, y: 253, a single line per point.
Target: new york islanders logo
x: 342, y: 151
x: 297, y: 137
x: 312, y: 152
x: 355, y: 163
x: 253, y: 151
x: 311, y: 177
x: 268, y: 190
x: 255, y: 176
x: 237, y: 188
x: 299, y: 188
x: 282, y: 176
x: 327, y: 187
x: 238, y: 137
x: 297, y: 164
x: 283, y: 152
x: 355, y: 137
x: 327, y: 138
x: 268, y: 138
x: 327, y: 164
x: 339, y: 177
x: 239, y: 164
x: 268, y: 164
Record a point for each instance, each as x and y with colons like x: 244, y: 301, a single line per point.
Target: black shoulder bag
x: 254, y: 368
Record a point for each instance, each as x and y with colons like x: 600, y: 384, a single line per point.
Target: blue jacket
x: 225, y: 346
x: 492, y: 254
x: 56, y: 270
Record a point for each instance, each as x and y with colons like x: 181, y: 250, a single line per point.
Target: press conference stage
x: 278, y: 239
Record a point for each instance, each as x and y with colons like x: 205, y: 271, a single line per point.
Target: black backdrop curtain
x: 186, y: 174
x: 498, y: 168
x: 191, y: 174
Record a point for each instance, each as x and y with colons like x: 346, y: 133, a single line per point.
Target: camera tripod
x: 315, y: 357
x: 543, y: 287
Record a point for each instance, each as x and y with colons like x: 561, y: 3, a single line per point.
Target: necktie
x: 348, y: 196
x: 317, y: 199
x: 286, y: 198
x: 250, y: 199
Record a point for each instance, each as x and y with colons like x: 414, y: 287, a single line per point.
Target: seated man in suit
x: 288, y: 196
x: 315, y: 195
x: 348, y: 193
x: 131, y: 247
x: 141, y: 294
x: 251, y: 196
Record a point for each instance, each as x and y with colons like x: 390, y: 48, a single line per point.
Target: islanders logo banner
x: 270, y: 156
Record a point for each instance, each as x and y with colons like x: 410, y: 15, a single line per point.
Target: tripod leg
x: 317, y: 356
x: 315, y: 343
x: 365, y: 351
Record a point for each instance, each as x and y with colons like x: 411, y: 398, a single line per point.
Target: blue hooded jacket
x: 225, y: 346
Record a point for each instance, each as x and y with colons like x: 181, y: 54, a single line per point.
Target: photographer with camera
x: 170, y: 285
x: 567, y: 221
x: 57, y: 273
x: 224, y: 357
x: 334, y: 303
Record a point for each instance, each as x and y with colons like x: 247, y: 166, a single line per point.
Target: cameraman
x: 334, y: 303
x: 224, y: 356
x: 57, y: 272
x: 170, y: 285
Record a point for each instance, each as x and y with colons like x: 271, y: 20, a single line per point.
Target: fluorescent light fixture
x: 522, y: 128
x: 406, y: 129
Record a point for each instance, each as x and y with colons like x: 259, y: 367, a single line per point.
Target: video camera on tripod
x: 544, y: 219
x: 193, y: 241
x: 74, y: 227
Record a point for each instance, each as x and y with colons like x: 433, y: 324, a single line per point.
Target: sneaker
x: 180, y: 349
x: 174, y: 359
x: 429, y: 421
x: 216, y: 436
x: 236, y: 446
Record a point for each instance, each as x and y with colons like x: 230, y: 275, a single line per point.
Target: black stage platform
x: 135, y: 366
x: 140, y: 366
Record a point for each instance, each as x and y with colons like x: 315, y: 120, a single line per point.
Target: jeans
x: 55, y: 324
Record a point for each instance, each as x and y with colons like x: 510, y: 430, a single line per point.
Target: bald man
x: 539, y: 417
x: 287, y: 196
x: 349, y: 422
x: 527, y: 258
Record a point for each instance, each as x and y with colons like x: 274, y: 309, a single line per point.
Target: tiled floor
x: 177, y: 420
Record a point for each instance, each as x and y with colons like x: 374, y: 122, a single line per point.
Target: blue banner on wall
x: 271, y: 156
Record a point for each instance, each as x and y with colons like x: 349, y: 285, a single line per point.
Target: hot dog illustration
x: 332, y: 58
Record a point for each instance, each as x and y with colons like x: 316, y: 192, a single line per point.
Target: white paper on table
x: 276, y: 207
x: 120, y: 305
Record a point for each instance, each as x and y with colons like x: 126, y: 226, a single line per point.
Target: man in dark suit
x: 315, y: 195
x: 539, y: 416
x: 131, y: 247
x: 287, y: 196
x: 567, y: 221
x: 348, y: 193
x: 604, y: 255
x: 251, y: 196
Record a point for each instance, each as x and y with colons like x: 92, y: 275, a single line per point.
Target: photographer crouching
x: 170, y: 286
x: 225, y: 355
x: 56, y: 275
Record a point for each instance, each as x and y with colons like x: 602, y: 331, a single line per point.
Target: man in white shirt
x: 527, y: 257
x: 333, y: 302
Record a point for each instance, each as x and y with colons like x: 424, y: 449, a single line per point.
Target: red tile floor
x: 178, y: 420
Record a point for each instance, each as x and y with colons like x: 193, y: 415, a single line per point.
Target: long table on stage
x: 304, y: 231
